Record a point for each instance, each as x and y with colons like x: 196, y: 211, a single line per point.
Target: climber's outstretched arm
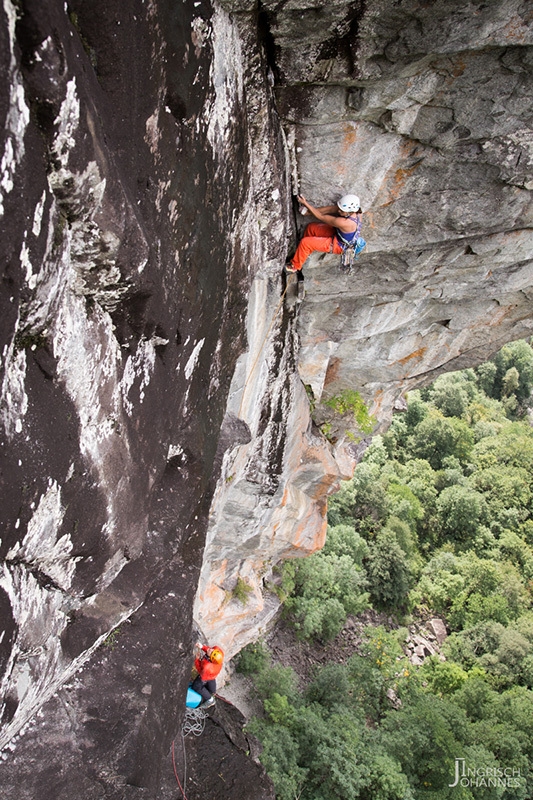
x: 329, y: 214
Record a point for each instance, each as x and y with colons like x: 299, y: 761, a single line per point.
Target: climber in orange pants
x: 318, y: 237
x: 338, y: 226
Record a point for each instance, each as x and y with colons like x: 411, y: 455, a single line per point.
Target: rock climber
x: 339, y: 224
x: 208, y: 664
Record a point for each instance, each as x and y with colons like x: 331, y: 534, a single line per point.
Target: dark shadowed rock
x: 158, y: 391
x: 128, y: 248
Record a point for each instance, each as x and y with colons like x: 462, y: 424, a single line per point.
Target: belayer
x: 208, y: 664
x: 338, y: 228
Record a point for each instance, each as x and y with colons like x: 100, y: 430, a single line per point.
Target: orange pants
x: 318, y: 237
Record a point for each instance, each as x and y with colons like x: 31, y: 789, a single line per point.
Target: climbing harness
x: 350, y: 249
x: 350, y: 253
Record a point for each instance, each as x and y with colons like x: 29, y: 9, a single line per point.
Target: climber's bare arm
x: 328, y: 214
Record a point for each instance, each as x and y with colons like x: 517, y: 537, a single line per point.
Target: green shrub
x: 280, y: 756
x: 437, y: 437
x: 253, y: 658
x: 328, y: 587
x: 331, y: 687
x: 276, y: 680
x: 460, y: 511
x: 351, y: 402
x: 241, y: 590
x: 388, y: 572
x: 343, y: 540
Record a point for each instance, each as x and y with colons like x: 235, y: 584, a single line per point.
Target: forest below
x: 437, y: 522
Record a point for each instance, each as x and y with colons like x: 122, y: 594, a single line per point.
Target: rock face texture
x: 430, y: 123
x: 156, y: 370
x: 424, y: 110
x: 129, y: 209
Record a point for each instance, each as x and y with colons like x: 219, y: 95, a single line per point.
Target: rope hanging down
x: 193, y: 722
x: 176, y: 771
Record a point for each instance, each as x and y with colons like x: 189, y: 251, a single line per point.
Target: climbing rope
x: 194, y: 721
x: 219, y: 697
x: 176, y: 771
x: 261, y: 349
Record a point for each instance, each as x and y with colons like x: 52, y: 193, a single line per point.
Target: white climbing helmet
x: 350, y: 202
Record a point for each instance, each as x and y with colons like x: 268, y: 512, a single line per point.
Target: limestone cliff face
x: 155, y: 364
x: 424, y: 111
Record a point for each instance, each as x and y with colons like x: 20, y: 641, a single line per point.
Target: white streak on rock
x: 199, y: 35
x: 138, y: 366
x: 67, y: 121
x: 153, y: 134
x: 227, y: 78
x: 88, y: 358
x: 17, y: 118
x: 37, y: 667
x: 193, y: 358
x: 36, y: 652
x: 174, y: 450
x: 13, y: 400
x: 26, y: 264
x: 40, y: 548
x: 38, y: 214
x: 88, y: 362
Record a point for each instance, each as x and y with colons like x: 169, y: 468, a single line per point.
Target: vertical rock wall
x: 424, y: 110
x: 429, y: 121
x: 155, y: 378
x: 139, y: 150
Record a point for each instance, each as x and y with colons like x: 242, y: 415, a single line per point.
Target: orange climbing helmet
x: 216, y: 655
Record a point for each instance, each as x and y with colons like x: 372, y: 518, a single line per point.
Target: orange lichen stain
x: 213, y: 593
x: 377, y: 402
x: 213, y: 596
x: 396, y: 177
x: 369, y: 220
x: 459, y: 67
x: 323, y: 489
x: 455, y: 70
x: 501, y: 315
x: 398, y: 180
x: 349, y: 138
x: 417, y: 354
x: 515, y: 31
x: 301, y: 538
x: 332, y: 371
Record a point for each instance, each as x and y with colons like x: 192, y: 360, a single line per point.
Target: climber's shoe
x: 209, y: 703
